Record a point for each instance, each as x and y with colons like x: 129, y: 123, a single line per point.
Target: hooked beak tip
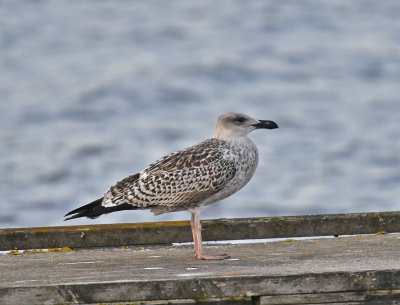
x: 266, y: 124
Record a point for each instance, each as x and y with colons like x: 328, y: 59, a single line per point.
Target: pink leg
x: 198, y: 247
x: 195, y: 242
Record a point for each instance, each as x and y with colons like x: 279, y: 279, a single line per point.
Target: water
x: 93, y: 91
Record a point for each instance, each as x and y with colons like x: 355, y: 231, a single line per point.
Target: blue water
x: 93, y: 91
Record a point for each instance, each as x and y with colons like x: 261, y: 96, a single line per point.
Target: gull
x: 189, y: 179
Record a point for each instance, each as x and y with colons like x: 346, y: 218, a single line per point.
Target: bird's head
x: 233, y: 125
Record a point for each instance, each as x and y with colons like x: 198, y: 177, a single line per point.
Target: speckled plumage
x: 190, y: 178
x: 198, y: 175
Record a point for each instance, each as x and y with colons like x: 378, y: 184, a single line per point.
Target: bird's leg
x: 198, y: 247
x: 195, y: 242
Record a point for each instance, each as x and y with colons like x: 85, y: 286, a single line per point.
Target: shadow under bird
x: 189, y: 179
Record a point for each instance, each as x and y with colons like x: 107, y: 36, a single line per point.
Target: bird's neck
x: 234, y: 139
x: 227, y: 134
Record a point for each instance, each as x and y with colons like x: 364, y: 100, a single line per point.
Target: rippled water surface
x: 93, y: 91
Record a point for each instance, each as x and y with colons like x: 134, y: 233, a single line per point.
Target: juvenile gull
x: 189, y: 179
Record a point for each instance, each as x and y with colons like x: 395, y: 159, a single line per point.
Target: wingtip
x: 75, y: 214
x: 85, y: 210
x: 72, y: 217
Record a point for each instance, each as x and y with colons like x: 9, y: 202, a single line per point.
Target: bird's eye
x: 240, y: 119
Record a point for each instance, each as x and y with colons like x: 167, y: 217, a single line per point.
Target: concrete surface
x: 327, y: 265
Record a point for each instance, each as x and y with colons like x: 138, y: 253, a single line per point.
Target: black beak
x: 266, y: 124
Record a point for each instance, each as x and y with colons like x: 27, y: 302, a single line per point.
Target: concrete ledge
x: 119, y: 263
x: 179, y: 231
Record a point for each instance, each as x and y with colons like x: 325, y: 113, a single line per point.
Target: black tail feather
x: 95, y: 209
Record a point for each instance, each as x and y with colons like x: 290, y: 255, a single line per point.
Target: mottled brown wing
x: 180, y: 179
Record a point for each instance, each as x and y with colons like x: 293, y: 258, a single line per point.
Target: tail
x: 95, y: 209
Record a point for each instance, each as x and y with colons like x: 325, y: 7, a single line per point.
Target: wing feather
x: 179, y: 180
